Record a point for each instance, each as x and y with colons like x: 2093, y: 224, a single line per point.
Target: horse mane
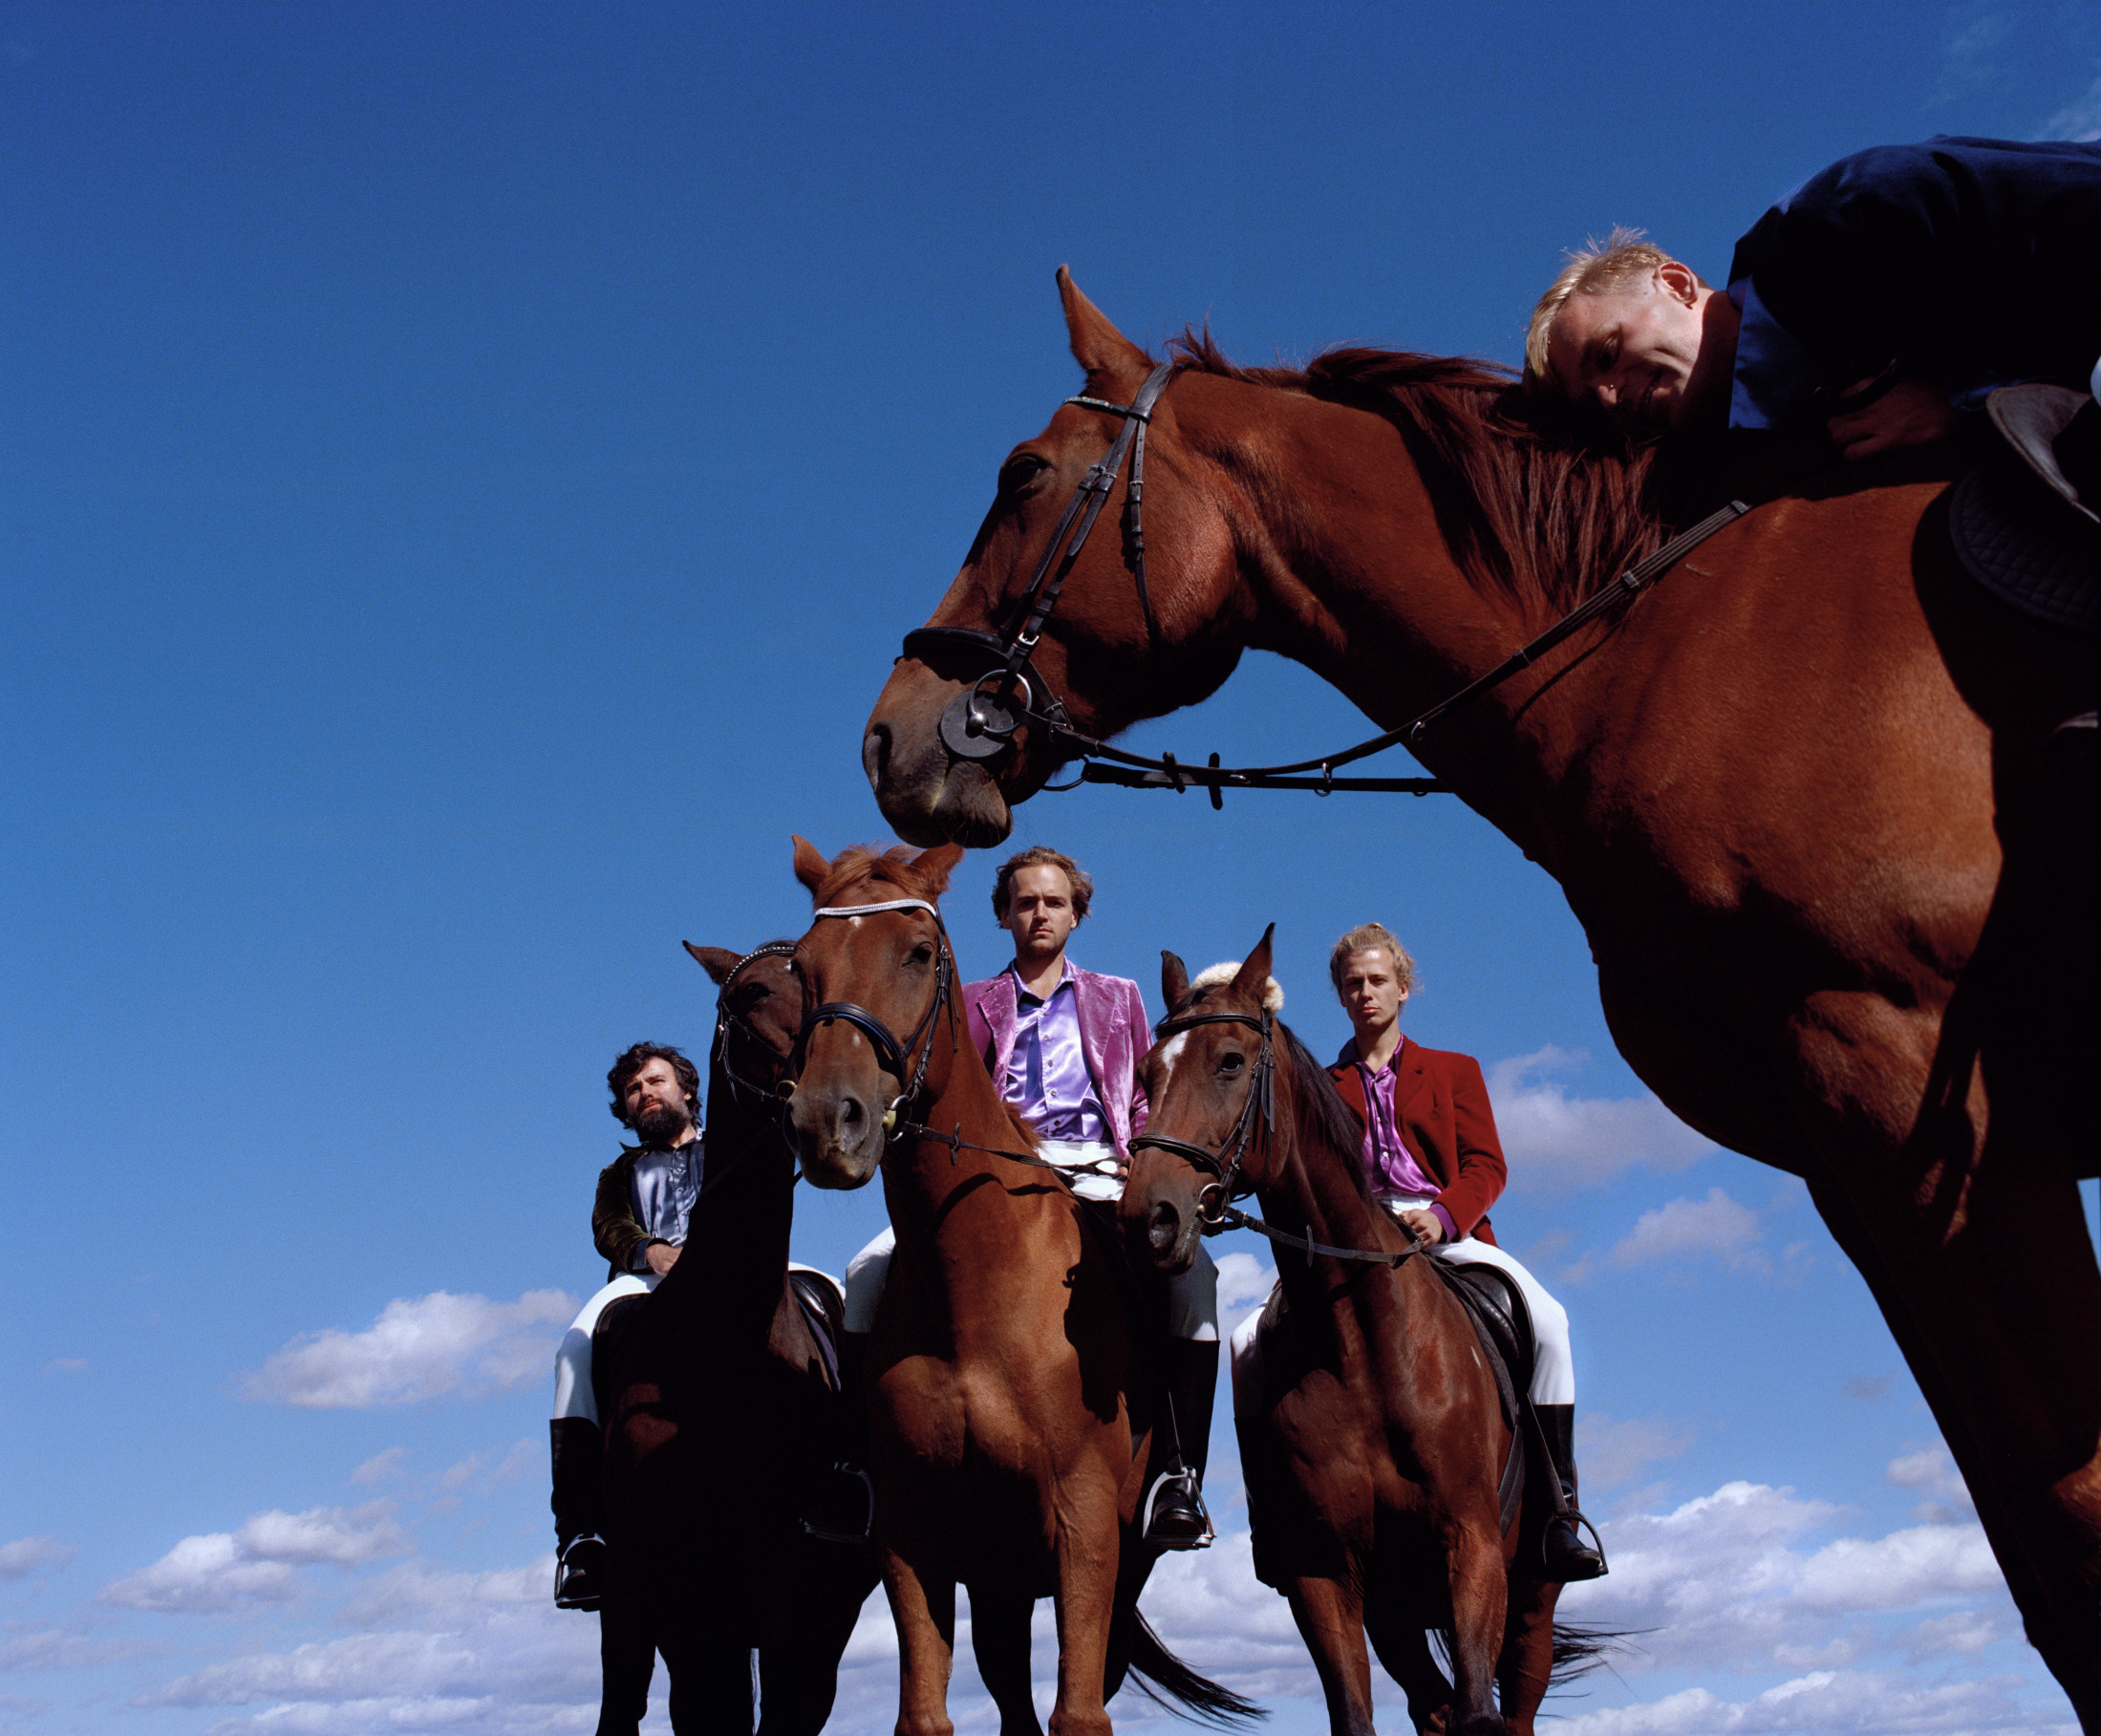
x: 1322, y: 1117
x: 896, y: 868
x: 1525, y: 495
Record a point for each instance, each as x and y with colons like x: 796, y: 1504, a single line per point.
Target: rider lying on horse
x: 1062, y: 1046
x: 645, y: 1200
x: 1887, y: 296
x: 1435, y: 1164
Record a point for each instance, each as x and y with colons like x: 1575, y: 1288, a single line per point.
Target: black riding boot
x: 1174, y: 1515
x: 842, y: 1506
x: 1568, y: 1557
x: 1254, y: 1473
x: 578, y: 1448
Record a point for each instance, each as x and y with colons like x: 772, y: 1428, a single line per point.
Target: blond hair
x: 1595, y: 269
x: 1366, y: 937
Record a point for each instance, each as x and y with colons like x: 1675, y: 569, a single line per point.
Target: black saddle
x: 2024, y: 521
x: 824, y: 1305
x: 1503, y: 1323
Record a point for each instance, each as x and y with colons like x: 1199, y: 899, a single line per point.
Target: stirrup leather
x: 1184, y: 1481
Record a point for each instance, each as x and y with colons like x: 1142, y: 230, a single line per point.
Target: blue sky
x: 463, y: 471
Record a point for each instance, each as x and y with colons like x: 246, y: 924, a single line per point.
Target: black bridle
x: 893, y: 1057
x: 981, y: 721
x: 1214, y: 1207
x: 729, y: 1022
x: 1261, y: 1103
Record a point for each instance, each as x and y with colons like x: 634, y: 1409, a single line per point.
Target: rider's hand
x: 1910, y: 414
x: 662, y: 1257
x: 1426, y: 1227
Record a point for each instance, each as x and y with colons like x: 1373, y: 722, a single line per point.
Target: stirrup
x: 1182, y: 1483
x: 579, y: 1583
x: 1572, y: 1516
x: 825, y: 1531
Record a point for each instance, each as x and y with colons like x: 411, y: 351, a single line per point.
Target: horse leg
x: 711, y: 1677
x: 1473, y: 1559
x: 1087, y: 1560
x: 799, y: 1662
x: 626, y: 1659
x: 999, y: 1638
x: 1330, y: 1614
x: 1403, y: 1649
x: 1527, y: 1652
x: 925, y: 1614
x: 2069, y: 1659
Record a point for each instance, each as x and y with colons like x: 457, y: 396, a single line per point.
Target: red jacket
x: 1440, y: 1111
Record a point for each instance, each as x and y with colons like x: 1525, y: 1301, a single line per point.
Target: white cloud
x: 380, y: 1467
x: 1825, y: 1701
x: 418, y: 1349
x: 1932, y: 1471
x: 1716, y: 1226
x: 1243, y: 1282
x: 1560, y: 1142
x: 260, y: 1563
x: 2080, y: 118
x: 28, y: 1555
x: 1611, y: 1453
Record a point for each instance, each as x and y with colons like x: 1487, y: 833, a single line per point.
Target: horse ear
x: 1174, y: 980
x: 810, y: 865
x: 936, y: 865
x: 1254, y: 980
x: 1097, y: 345
x: 718, y: 961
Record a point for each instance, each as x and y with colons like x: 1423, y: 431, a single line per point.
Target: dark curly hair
x: 633, y: 1060
x: 1042, y: 855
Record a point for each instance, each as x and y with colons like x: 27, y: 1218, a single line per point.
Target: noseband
x: 892, y: 1057
x: 980, y: 722
x: 1261, y: 1100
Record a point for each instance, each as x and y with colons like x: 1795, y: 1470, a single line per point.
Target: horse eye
x: 1229, y: 1063
x: 923, y: 951
x: 1018, y: 473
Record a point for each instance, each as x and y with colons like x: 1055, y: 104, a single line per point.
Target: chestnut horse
x: 1005, y: 1366
x: 1804, y: 797
x: 722, y: 1415
x: 1373, y: 1462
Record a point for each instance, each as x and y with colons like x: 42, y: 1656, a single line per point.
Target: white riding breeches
x: 1554, y: 1366
x: 1193, y: 1298
x: 572, y: 1393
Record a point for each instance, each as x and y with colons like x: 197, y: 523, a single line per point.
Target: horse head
x: 1109, y: 654
x: 1209, y: 1085
x: 758, y: 1009
x: 875, y: 987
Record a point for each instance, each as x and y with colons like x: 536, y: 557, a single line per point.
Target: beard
x: 663, y: 1126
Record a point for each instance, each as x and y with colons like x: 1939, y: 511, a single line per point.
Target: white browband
x: 871, y: 910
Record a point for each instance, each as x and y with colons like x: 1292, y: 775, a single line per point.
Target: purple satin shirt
x: 1047, y: 1080
x: 1387, y: 1162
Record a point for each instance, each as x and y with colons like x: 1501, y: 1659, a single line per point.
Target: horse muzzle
x: 839, y: 1134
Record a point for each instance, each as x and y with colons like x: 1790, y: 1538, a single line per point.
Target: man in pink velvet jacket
x: 1062, y: 1046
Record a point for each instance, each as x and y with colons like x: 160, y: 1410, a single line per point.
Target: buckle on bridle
x: 979, y: 725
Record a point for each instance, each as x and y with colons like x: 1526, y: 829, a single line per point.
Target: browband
x: 871, y: 910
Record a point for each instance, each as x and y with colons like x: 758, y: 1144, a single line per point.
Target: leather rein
x: 728, y: 1023
x: 1215, y: 1211
x: 981, y: 721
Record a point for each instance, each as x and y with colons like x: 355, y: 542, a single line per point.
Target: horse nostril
x: 850, y: 1112
x: 875, y: 752
x: 1163, y: 1228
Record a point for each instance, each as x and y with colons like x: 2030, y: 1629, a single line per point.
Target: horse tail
x: 1579, y: 1649
x: 1165, y: 1680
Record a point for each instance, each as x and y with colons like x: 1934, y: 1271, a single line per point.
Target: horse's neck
x: 735, y: 1263
x: 923, y: 1180
x: 1317, y: 1195
x: 1355, y: 580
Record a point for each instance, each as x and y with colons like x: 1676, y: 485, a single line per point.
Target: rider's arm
x: 1140, y: 1030
x: 1478, y: 1169
x: 620, y: 1238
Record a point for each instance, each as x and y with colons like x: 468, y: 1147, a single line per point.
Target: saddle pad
x: 2025, y: 545
x: 824, y: 1305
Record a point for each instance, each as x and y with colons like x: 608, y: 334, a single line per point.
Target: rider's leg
x: 1244, y: 1358
x: 843, y: 1508
x: 577, y: 1453
x: 1178, y: 1519
x: 1570, y: 1555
